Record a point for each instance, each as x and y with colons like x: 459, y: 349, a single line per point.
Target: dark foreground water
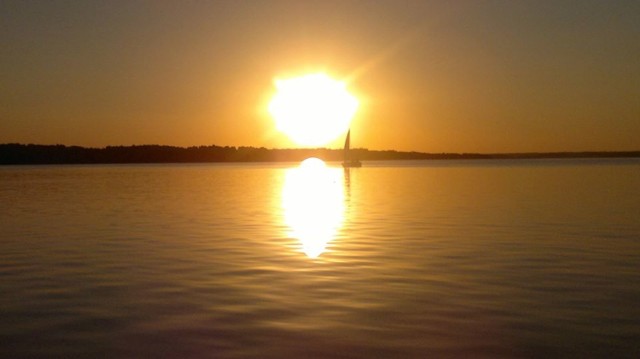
x: 399, y: 259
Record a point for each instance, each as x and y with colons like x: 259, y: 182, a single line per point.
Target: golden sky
x: 431, y: 76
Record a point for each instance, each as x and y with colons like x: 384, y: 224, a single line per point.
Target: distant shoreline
x: 21, y: 154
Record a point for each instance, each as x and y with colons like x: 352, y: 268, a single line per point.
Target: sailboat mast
x: 347, y: 145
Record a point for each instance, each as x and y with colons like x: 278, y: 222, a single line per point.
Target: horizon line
x: 332, y: 149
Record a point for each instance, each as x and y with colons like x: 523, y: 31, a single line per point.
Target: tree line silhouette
x: 14, y: 153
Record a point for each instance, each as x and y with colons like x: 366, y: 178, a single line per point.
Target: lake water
x: 524, y: 258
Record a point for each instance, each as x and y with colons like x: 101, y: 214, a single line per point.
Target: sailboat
x: 348, y: 161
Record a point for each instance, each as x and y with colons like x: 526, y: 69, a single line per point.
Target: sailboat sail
x: 347, y: 160
x: 347, y: 145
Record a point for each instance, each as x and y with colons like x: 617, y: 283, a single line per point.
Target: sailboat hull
x: 352, y: 163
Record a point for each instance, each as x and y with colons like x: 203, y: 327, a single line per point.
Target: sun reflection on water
x: 313, y: 203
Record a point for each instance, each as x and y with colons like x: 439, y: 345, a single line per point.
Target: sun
x: 313, y: 109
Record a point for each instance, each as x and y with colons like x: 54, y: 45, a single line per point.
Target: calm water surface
x: 395, y: 259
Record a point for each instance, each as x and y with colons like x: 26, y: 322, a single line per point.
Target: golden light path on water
x: 313, y: 204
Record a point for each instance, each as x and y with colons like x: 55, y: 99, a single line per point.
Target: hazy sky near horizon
x: 432, y: 76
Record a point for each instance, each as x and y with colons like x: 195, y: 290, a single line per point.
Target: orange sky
x: 432, y: 76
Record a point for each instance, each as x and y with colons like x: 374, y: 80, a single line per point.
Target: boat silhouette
x: 348, y: 160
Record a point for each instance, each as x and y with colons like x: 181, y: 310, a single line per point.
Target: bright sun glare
x: 312, y: 109
x: 313, y: 203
